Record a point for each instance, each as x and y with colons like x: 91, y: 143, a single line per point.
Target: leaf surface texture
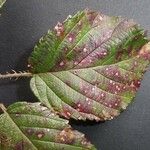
x: 32, y: 126
x: 90, y: 66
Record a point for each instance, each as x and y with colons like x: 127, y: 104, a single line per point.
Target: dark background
x: 23, y: 22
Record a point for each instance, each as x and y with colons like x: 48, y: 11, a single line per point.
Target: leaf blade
x: 99, y: 73
x: 33, y: 125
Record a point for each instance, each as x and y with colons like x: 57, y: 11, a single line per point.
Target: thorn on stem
x: 13, y: 71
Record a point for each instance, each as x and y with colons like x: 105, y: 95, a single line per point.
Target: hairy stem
x: 15, y: 75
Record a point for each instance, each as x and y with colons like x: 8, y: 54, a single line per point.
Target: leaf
x: 90, y: 66
x: 31, y: 126
x: 2, y: 3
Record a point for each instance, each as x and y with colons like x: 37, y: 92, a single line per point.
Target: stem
x: 15, y: 75
x: 2, y: 107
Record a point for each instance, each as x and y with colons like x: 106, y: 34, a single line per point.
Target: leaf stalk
x: 16, y: 75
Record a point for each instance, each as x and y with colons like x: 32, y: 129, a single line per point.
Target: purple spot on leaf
x: 59, y: 28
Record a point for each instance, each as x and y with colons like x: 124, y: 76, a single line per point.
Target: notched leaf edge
x: 35, y: 127
x: 97, y: 69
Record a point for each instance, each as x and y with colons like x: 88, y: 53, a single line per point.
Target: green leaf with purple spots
x: 90, y: 66
x: 32, y: 126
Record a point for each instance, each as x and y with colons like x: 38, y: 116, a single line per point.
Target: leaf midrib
x: 68, y: 33
x: 100, y: 43
x: 54, y: 119
x: 95, y: 67
x: 19, y: 130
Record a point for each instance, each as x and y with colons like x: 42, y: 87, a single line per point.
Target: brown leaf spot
x: 85, y: 142
x: 20, y: 145
x: 135, y: 84
x: 40, y: 134
x: 106, y: 115
x: 59, y: 28
x: 29, y: 131
x: 4, y: 141
x: 119, y: 55
x: 145, y: 51
x: 80, y: 25
x: 71, y: 37
x: 66, y: 113
x: 17, y: 114
x: 66, y: 136
x: 91, y: 16
x: 62, y: 63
